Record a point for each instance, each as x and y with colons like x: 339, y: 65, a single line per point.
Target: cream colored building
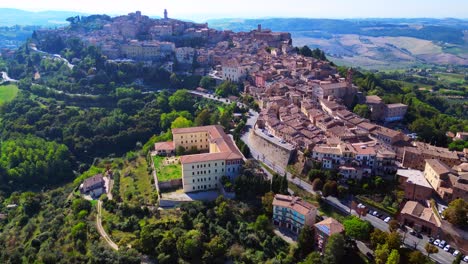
x: 203, y: 171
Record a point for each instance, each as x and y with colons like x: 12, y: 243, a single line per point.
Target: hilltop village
x: 304, y: 119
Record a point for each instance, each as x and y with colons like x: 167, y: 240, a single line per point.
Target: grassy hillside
x: 8, y: 93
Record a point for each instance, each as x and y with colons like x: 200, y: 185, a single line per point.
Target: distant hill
x: 372, y: 43
x: 11, y: 17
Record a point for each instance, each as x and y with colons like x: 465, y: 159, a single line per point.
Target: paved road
x: 101, y: 230
x: 6, y: 78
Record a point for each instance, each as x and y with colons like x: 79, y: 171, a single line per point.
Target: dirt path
x: 101, y: 230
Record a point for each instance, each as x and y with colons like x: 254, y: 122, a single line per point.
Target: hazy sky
x: 204, y: 9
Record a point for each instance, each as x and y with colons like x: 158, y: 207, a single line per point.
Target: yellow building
x: 204, y: 171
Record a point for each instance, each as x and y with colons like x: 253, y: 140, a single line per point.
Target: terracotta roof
x: 164, y: 145
x: 414, y: 176
x: 293, y: 203
x: 88, y: 183
x: 330, y: 226
x: 396, y: 105
x: 226, y: 146
x: 438, y: 166
x: 419, y: 211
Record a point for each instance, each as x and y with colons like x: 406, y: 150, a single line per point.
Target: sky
x: 201, y: 10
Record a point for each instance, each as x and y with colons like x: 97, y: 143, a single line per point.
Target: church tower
x: 165, y: 13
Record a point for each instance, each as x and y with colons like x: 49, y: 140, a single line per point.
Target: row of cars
x: 385, y: 218
x: 447, y: 248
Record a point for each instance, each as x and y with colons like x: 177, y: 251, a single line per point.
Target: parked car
x: 375, y: 213
x: 465, y: 258
x: 442, y: 244
x: 437, y: 242
x: 456, y: 252
x: 447, y: 248
x: 416, y: 234
x: 431, y: 240
x: 386, y: 220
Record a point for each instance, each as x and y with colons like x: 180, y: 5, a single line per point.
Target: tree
x: 215, y: 250
x: 378, y: 237
x: 416, y: 257
x: 189, y: 245
x: 175, y: 81
x: 267, y: 202
x: 203, y: 118
x: 394, y: 257
x: 430, y: 249
x: 393, y: 225
x: 312, y: 258
x: 317, y: 184
x: 381, y: 254
x: 457, y: 259
x: 330, y: 188
x: 227, y: 88
x: 207, y: 82
x: 393, y: 240
x: 362, y: 110
x: 335, y: 249
x: 284, y: 184
x: 314, y: 174
x: 181, y: 122
x: 457, y: 212
x: 305, y: 241
x: 357, y: 228
x: 181, y: 100
x: 305, y: 51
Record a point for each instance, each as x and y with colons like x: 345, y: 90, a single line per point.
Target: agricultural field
x: 8, y: 92
x: 135, y: 182
x: 383, y: 52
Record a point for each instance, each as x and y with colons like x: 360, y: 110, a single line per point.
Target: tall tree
x: 335, y: 249
x: 381, y: 254
x: 430, y: 249
x: 394, y: 257
x: 305, y: 241
x: 457, y: 212
x: 357, y: 228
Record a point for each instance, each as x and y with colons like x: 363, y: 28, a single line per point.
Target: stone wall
x: 276, y: 154
x: 172, y: 184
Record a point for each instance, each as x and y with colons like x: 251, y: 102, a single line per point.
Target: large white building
x: 204, y: 171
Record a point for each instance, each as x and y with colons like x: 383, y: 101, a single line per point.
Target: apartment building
x: 292, y: 212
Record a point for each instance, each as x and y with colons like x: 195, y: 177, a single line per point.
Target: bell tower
x: 165, y: 13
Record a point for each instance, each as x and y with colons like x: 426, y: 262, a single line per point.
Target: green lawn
x: 167, y: 172
x: 8, y: 93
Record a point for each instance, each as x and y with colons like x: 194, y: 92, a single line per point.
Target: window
x: 216, y: 177
x: 193, y: 180
x: 194, y: 187
x: 193, y: 173
x: 209, y: 178
x: 193, y: 167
